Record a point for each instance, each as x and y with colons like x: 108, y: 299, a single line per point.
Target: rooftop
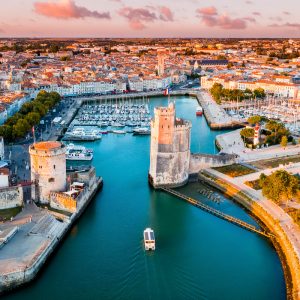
x: 50, y: 145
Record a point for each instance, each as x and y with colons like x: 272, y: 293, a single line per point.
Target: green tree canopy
x: 277, y: 130
x: 33, y: 118
x: 30, y: 114
x: 279, y: 186
x: 21, y: 128
x: 247, y: 133
x: 6, y: 132
x: 284, y: 141
x: 254, y: 119
x: 259, y: 93
x: 216, y: 91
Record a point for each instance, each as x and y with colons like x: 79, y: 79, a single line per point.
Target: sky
x: 150, y: 18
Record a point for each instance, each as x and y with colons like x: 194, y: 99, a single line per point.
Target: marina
x: 276, y: 109
x: 118, y: 118
x: 193, y: 263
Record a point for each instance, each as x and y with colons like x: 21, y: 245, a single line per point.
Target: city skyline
x: 119, y: 18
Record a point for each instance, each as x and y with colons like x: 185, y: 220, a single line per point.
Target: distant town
x: 65, y: 104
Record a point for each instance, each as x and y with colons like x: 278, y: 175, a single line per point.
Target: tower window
x: 53, y: 166
x: 51, y: 180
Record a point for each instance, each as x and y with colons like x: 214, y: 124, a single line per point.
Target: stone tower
x: 170, y: 148
x: 48, y: 169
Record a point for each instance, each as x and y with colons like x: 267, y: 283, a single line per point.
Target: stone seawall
x: 289, y: 257
x: 11, y: 280
x: 203, y: 161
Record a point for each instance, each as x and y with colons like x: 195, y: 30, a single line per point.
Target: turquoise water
x: 198, y: 256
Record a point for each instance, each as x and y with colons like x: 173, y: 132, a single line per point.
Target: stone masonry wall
x: 199, y: 162
x: 11, y: 197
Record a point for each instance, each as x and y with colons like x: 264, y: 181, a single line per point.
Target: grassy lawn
x: 254, y: 184
x: 275, y: 162
x: 6, y: 214
x: 234, y: 170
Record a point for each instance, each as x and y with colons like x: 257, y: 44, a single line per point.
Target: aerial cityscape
x: 149, y: 150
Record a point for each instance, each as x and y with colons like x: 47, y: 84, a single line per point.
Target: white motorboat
x: 149, y: 239
x: 74, y: 152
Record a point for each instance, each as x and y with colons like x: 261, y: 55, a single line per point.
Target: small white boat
x: 149, y: 239
x: 199, y: 111
x: 119, y: 131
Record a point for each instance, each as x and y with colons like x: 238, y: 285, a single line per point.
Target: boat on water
x: 141, y: 131
x: 79, y: 134
x: 119, y: 131
x: 149, y: 239
x: 78, y: 153
x: 199, y: 111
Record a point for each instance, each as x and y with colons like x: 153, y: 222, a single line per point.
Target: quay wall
x: 199, y: 162
x: 13, y: 280
x: 289, y: 257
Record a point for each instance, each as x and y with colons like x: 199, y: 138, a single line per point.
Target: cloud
x: 249, y: 2
x: 250, y: 19
x: 207, y: 11
x: 139, y: 17
x: 166, y: 14
x: 286, y: 13
x: 67, y: 9
x: 290, y: 25
x: 210, y: 17
x: 278, y: 19
x: 256, y: 13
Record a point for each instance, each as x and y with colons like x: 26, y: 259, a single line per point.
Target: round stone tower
x: 170, y: 148
x: 48, y: 169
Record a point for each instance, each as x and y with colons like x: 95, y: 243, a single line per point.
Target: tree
x: 21, y: 128
x: 259, y: 93
x: 279, y: 186
x: 254, y: 120
x: 247, y: 133
x: 6, y: 132
x: 33, y: 118
x: 26, y: 108
x: 284, y: 141
x: 13, y: 120
x: 216, y: 91
x: 40, y: 108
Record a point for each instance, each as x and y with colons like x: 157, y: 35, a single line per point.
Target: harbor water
x: 198, y: 256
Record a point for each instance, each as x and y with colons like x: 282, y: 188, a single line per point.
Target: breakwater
x: 287, y: 251
x: 13, y: 275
